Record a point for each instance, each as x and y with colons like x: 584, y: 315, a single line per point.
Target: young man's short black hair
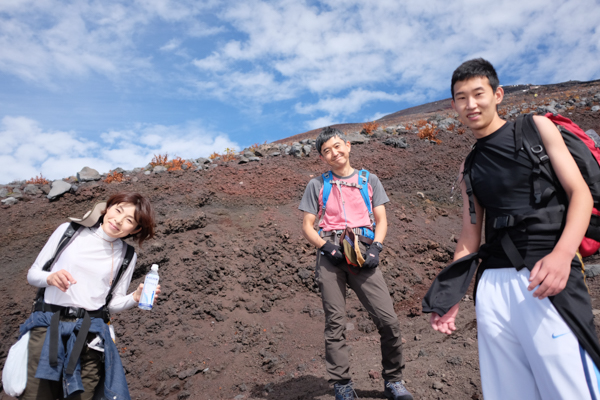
x: 477, y: 67
x: 325, y: 135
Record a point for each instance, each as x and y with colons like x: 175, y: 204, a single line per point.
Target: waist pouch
x: 351, y: 248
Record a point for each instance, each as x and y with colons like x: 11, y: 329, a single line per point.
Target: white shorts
x: 526, y: 350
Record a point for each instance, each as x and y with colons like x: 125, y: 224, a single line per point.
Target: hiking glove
x: 372, y: 260
x: 333, y: 253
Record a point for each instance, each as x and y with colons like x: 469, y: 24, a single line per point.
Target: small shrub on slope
x: 38, y: 180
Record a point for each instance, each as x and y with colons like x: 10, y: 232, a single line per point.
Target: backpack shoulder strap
x: 533, y: 145
x: 467, y: 180
x: 363, y: 181
x: 62, y: 244
x: 126, y: 261
x: 327, y: 177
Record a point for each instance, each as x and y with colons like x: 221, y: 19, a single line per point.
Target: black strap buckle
x: 504, y: 221
x: 537, y: 149
x: 73, y: 312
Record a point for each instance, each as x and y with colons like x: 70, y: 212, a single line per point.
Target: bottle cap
x: 155, y: 267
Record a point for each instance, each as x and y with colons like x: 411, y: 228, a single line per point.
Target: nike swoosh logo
x: 554, y: 335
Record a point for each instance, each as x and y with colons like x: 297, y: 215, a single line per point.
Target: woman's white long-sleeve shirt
x: 88, y: 258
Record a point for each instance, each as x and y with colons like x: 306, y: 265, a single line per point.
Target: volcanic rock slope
x: 240, y: 316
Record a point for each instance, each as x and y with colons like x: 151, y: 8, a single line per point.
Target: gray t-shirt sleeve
x: 379, y: 196
x: 310, y: 199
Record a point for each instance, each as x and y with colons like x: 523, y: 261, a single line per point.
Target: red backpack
x: 588, y: 161
x: 585, y: 149
x: 588, y: 246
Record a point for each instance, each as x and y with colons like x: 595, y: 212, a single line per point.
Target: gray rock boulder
x: 592, y: 270
x: 32, y: 189
x: 399, y: 142
x: 356, y: 138
x: 243, y: 160
x: 203, y: 160
x: 594, y: 136
x: 158, y: 169
x: 9, y: 201
x: 306, y: 149
x: 596, y: 108
x: 274, y: 154
x: 59, y: 187
x: 445, y: 123
x: 253, y: 159
x: 46, y: 189
x: 546, y: 109
x: 381, y: 133
x: 296, y: 150
x: 16, y: 193
x: 118, y: 170
x: 3, y: 192
x: 88, y: 174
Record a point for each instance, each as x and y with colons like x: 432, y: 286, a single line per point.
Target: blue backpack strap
x: 327, y: 177
x: 363, y: 180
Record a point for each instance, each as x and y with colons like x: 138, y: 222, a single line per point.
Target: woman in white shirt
x: 75, y: 292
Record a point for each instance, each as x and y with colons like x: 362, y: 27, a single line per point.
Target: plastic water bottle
x: 150, y: 284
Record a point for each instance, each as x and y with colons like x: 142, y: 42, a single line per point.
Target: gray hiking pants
x: 372, y: 291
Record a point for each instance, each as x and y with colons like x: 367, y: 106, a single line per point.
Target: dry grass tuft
x: 430, y: 133
x: 114, y: 176
x: 38, y: 180
x: 370, y: 127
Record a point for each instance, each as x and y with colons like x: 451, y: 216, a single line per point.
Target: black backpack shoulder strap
x: 467, y: 180
x: 126, y: 261
x: 533, y: 145
x: 62, y: 244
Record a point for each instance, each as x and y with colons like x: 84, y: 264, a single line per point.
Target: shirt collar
x: 100, y: 232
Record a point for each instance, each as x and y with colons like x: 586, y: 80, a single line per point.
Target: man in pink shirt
x: 345, y: 207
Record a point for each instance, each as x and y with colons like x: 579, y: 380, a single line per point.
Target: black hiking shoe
x: 396, y: 391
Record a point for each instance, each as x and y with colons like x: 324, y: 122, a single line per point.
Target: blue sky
x: 107, y: 84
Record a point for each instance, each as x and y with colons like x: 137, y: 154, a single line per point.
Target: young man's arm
x: 309, y: 232
x: 381, y: 223
x: 469, y: 241
x: 552, y: 272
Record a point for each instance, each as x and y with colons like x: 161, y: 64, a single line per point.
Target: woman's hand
x: 137, y: 295
x: 61, y: 279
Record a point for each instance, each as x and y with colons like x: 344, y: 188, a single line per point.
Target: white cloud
x: 321, y: 122
x: 171, y: 45
x: 350, y: 104
x: 333, y: 46
x: 30, y: 149
x: 376, y: 116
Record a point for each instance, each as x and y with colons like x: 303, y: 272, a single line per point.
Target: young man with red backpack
x: 535, y: 324
x: 350, y: 204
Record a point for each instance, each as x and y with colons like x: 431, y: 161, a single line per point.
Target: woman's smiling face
x: 119, y: 221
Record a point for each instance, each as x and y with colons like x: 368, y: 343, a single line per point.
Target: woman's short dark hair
x: 325, y: 135
x: 144, y: 213
x: 477, y: 67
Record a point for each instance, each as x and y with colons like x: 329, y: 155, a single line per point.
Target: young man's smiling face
x: 336, y: 153
x: 475, y: 102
